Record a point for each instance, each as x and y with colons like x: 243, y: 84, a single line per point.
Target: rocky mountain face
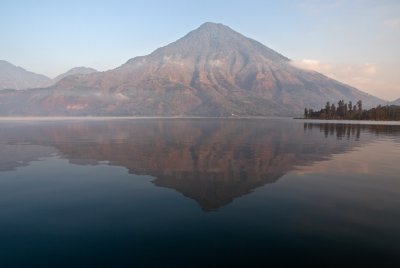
x: 14, y: 77
x: 212, y: 71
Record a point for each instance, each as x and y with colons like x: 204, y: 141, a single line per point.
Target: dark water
x: 199, y: 192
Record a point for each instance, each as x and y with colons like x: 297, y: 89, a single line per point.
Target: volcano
x: 212, y: 71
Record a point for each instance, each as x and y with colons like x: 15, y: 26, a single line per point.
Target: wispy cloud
x: 369, y: 77
x: 314, y: 65
x: 356, y: 74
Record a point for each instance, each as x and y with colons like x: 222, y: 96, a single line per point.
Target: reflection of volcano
x: 212, y: 161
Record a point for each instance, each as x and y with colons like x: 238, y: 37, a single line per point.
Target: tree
x: 328, y: 108
x: 359, y: 104
x: 354, y: 112
x: 333, y: 110
x: 341, y: 111
x: 305, y: 113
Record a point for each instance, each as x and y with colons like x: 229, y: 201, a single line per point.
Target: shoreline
x: 105, y: 118
x: 94, y: 118
x: 348, y: 121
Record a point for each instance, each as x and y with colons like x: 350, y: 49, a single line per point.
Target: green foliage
x: 347, y: 111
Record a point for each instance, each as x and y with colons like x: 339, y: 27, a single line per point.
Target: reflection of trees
x: 211, y: 161
x: 353, y: 130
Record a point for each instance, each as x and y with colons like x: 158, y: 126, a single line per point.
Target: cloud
x: 313, y: 65
x: 369, y: 68
x: 358, y: 75
x: 368, y: 77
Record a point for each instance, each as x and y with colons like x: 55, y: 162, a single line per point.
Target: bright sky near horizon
x: 353, y: 41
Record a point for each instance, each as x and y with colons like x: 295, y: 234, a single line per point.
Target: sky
x: 353, y: 41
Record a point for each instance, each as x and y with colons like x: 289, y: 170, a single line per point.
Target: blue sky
x: 354, y: 41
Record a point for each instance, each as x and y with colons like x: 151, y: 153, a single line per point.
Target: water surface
x: 198, y: 192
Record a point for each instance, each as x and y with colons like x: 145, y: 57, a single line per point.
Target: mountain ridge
x: 75, y: 71
x: 15, y: 77
x: 395, y: 102
x: 18, y: 78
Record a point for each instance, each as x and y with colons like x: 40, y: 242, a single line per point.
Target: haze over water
x: 205, y: 192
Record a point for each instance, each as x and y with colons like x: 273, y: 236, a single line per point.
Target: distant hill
x: 14, y: 77
x: 212, y: 71
x: 75, y: 71
x: 395, y: 102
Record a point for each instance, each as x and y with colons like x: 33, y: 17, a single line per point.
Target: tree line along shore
x: 350, y: 111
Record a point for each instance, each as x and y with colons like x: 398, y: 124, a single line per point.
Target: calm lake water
x: 199, y: 192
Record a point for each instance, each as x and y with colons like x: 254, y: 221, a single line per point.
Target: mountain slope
x: 395, y: 102
x: 212, y: 71
x: 74, y: 71
x: 13, y: 77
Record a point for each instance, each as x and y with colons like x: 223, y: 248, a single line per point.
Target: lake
x: 199, y: 192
